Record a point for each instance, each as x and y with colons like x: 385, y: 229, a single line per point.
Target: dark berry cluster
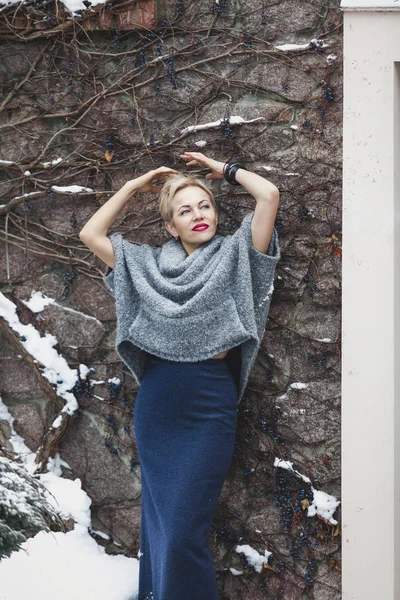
x: 196, y: 43
x: 109, y: 142
x: 317, y: 361
x: 140, y: 61
x: 71, y: 66
x: 171, y: 72
x: 124, y: 399
x: 312, y: 285
x: 50, y: 20
x: 116, y: 39
x: 82, y: 386
x: 134, y: 117
x: 180, y: 8
x: 317, y: 44
x: 70, y: 274
x: 111, y: 423
x: 283, y: 496
x: 328, y: 94
x: 114, y: 389
x: 229, y: 134
x: 245, y: 38
x: 73, y: 220
x: 311, y: 569
x: 245, y: 563
x: 217, y: 8
x: 261, y: 422
x: 225, y: 534
x: 110, y: 7
x: 108, y: 442
x: 309, y: 275
x: 227, y: 130
x: 304, y: 214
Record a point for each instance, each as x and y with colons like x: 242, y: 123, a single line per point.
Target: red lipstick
x: 200, y: 227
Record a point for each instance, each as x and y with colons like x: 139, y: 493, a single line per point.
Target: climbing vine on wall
x: 84, y: 108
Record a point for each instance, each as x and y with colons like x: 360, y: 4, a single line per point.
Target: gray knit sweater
x: 190, y: 307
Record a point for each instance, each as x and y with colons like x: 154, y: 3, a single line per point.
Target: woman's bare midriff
x: 221, y: 354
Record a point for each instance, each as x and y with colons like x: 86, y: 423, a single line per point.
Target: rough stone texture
x: 19, y: 381
x: 104, y: 477
x: 5, y: 435
x: 74, y: 331
x: 297, y: 146
x: 122, y: 522
x: 92, y: 298
x: 28, y: 423
x: 47, y: 283
x: 22, y: 266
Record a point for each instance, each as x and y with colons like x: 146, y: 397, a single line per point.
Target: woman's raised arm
x: 265, y: 193
x: 94, y: 233
x: 101, y: 221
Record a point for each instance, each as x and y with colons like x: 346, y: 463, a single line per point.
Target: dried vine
x: 91, y: 107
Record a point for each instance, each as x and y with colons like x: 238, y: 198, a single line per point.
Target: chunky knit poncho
x: 190, y: 307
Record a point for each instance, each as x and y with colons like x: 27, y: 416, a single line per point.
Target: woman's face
x: 191, y: 207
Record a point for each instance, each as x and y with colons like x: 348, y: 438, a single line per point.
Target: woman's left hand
x: 197, y: 158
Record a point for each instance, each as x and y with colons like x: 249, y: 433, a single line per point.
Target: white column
x: 371, y: 302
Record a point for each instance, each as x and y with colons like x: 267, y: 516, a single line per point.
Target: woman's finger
x: 163, y: 176
x: 165, y: 170
x: 194, y: 154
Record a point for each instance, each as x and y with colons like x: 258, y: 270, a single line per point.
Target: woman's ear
x: 170, y: 228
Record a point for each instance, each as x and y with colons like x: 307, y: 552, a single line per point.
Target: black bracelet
x: 229, y: 171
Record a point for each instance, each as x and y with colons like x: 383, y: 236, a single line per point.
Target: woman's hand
x: 144, y: 183
x: 197, y: 158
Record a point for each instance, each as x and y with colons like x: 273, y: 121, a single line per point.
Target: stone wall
x: 112, y: 105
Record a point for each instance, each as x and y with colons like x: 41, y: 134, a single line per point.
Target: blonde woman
x: 190, y: 319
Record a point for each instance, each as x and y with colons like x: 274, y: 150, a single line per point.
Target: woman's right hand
x: 144, y: 183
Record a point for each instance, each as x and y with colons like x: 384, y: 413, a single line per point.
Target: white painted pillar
x: 371, y: 301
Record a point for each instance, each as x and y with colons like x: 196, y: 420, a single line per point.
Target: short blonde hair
x: 173, y: 184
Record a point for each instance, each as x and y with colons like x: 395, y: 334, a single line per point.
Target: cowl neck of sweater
x: 173, y: 256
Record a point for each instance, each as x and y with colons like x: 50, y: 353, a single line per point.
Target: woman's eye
x: 204, y: 206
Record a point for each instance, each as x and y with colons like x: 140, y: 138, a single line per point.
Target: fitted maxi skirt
x: 185, y: 420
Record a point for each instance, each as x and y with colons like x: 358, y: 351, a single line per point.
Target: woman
x: 190, y: 319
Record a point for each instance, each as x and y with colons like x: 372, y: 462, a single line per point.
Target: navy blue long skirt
x: 185, y: 420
